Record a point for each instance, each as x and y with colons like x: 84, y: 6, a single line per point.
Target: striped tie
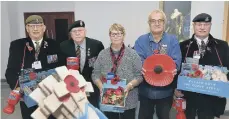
x: 202, y: 48
x: 78, y: 52
x: 37, y: 50
x: 37, y: 46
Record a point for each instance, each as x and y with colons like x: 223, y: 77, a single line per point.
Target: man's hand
x: 178, y: 93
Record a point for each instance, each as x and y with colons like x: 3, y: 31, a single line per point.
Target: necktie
x: 78, y: 52
x: 202, y: 48
x: 37, y: 48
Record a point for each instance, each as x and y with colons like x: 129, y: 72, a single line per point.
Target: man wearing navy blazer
x: 35, y: 51
x: 89, y: 50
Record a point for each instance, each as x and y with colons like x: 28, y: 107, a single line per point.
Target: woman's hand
x: 129, y: 87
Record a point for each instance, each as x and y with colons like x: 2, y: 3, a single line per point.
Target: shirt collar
x: 39, y: 41
x: 152, y: 39
x: 82, y: 45
x: 199, y: 40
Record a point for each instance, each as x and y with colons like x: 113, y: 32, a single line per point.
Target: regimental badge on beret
x: 207, y: 19
x: 81, y: 23
x: 37, y: 20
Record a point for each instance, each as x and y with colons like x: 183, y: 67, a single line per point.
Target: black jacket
x: 211, y: 104
x: 93, y: 48
x: 49, y: 47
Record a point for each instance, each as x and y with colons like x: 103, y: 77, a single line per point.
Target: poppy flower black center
x: 72, y: 84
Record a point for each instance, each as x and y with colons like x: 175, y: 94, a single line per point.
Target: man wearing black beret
x: 87, y: 50
x: 211, y: 51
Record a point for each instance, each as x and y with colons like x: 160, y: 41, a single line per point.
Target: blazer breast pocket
x: 52, y: 58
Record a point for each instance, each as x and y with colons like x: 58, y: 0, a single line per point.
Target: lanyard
x: 158, y: 48
x: 116, y: 61
x: 37, y: 52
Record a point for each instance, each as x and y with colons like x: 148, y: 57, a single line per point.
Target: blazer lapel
x: 42, y: 48
x: 71, y: 49
x: 29, y: 44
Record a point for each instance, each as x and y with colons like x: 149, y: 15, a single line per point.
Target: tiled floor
x: 17, y: 114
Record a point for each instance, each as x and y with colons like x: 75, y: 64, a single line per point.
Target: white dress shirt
x: 199, y: 40
x: 39, y: 42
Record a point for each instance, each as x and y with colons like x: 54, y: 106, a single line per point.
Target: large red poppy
x: 159, y: 70
x: 72, y: 84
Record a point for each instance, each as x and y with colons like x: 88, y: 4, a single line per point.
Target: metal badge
x: 163, y: 49
x: 88, y: 52
x: 81, y: 23
x: 207, y: 19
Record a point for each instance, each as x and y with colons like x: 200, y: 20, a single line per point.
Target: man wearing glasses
x: 35, y: 51
x: 157, y: 42
x: 87, y: 50
x: 209, y: 51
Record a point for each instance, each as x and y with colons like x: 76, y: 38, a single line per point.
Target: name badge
x: 196, y: 55
x: 36, y: 65
x: 110, y: 75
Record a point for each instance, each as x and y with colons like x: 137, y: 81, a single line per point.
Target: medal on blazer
x: 45, y: 44
x: 88, y: 52
x: 163, y: 49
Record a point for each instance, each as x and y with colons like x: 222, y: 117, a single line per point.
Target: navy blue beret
x: 203, y: 17
x: 76, y: 24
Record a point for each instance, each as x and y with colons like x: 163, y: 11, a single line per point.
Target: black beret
x: 76, y: 24
x: 203, y: 17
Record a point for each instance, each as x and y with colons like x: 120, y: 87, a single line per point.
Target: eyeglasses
x: 153, y: 21
x: 202, y: 24
x: 77, y: 31
x: 38, y: 26
x: 116, y: 34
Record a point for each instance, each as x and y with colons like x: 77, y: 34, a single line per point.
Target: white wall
x: 5, y: 37
x: 99, y: 16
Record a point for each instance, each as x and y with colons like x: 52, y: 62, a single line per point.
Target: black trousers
x: 147, y: 106
x: 192, y: 110
x: 26, y: 112
x: 94, y: 99
x: 127, y: 114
